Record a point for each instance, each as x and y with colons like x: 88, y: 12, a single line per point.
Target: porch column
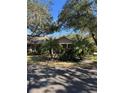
x: 67, y: 45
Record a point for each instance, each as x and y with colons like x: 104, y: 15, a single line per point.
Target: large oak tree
x: 80, y: 14
x: 38, y: 16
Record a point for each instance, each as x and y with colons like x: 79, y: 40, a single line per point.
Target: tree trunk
x: 51, y: 53
x: 94, y: 38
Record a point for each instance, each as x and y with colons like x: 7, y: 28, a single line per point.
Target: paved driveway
x: 61, y: 80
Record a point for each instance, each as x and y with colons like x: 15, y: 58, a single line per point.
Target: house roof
x: 39, y: 40
x: 36, y: 40
x: 64, y: 40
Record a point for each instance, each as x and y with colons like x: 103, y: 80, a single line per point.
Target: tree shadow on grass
x: 61, y: 80
x: 37, y: 58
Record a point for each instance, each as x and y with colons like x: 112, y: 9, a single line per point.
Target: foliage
x: 68, y: 55
x: 80, y: 49
x: 84, y: 47
x: 80, y: 14
x: 38, y: 17
x: 51, y: 47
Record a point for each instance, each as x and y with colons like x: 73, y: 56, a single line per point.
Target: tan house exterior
x: 34, y: 42
x: 65, y: 42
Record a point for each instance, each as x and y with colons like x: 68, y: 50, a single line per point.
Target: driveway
x: 61, y: 80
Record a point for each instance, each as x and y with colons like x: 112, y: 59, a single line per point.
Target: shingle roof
x: 40, y: 40
x: 36, y: 40
x: 64, y: 40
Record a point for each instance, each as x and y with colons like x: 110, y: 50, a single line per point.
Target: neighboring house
x: 34, y: 42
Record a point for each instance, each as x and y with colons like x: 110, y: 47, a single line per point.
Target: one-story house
x: 34, y: 42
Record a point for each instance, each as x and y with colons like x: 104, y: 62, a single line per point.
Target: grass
x: 44, y: 63
x: 65, y: 64
x: 91, y: 57
x: 35, y: 58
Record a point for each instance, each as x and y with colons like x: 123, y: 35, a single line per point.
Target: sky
x: 55, y: 10
x: 57, y: 7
